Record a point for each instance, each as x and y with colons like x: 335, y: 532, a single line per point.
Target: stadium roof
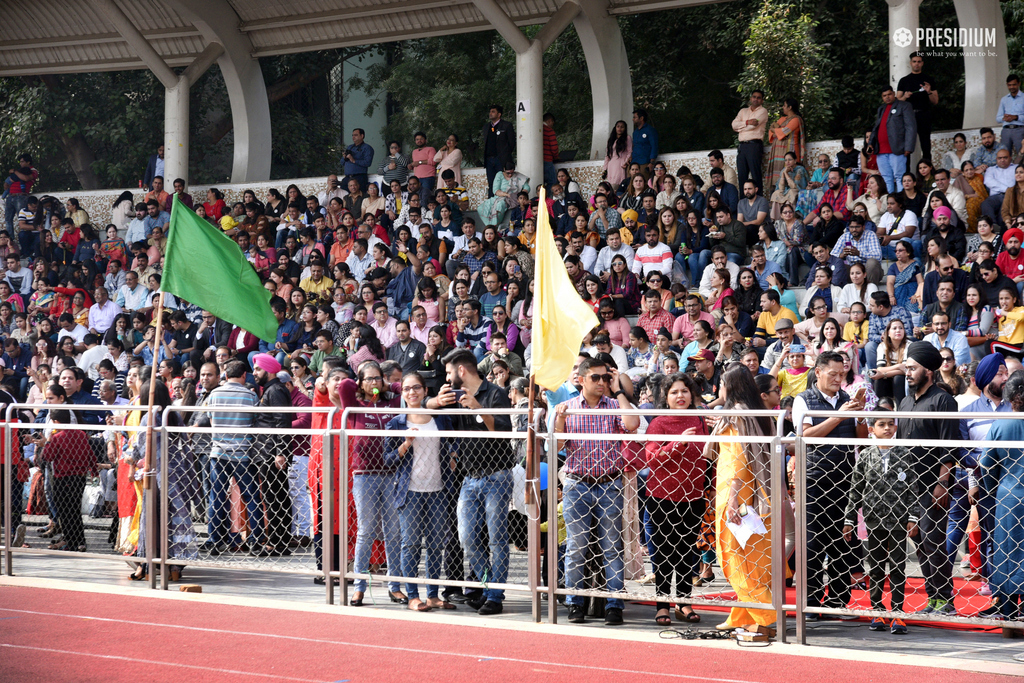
x: 61, y: 36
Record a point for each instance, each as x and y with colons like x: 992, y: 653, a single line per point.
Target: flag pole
x: 157, y: 341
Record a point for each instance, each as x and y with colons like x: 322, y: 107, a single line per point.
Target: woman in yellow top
x: 743, y: 473
x: 76, y: 213
x: 1011, y: 325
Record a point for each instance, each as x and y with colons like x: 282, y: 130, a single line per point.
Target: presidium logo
x: 945, y: 37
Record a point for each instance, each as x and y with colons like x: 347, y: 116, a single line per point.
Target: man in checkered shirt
x: 592, y: 495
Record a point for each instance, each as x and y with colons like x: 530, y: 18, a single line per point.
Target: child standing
x: 884, y: 487
x: 792, y: 380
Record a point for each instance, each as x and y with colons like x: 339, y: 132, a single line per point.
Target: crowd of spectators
x: 391, y: 293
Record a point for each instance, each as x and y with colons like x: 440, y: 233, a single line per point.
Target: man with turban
x: 935, y: 469
x: 942, y: 225
x: 990, y: 377
x: 271, y: 455
x: 1011, y: 260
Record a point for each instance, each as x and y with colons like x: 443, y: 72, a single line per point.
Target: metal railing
x: 334, y: 431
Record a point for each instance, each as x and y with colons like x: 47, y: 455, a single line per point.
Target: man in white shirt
x: 954, y: 196
x: 719, y: 259
x: 133, y: 294
x: 91, y: 357
x: 334, y: 190
x: 19, y: 278
x: 69, y: 328
x: 653, y: 256
x: 998, y: 179
x: 603, y: 264
x: 587, y: 254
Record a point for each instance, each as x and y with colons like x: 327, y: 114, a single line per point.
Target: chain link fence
x: 697, y: 508
x: 897, y: 529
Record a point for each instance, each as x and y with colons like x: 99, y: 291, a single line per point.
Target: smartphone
x: 459, y: 393
x: 859, y: 396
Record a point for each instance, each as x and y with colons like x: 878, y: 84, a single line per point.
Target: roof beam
x: 138, y: 42
x: 94, y: 39
x: 86, y: 66
x: 497, y: 18
x: 558, y: 22
x: 273, y: 23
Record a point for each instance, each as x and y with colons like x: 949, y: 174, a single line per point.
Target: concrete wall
x: 586, y: 173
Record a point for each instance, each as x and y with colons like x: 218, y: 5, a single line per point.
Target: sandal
x: 663, y: 619
x: 438, y: 603
x: 417, y: 605
x: 58, y: 545
x: 691, y: 616
x: 135, y: 576
x: 357, y: 599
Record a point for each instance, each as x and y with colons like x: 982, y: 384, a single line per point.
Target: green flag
x: 205, y: 267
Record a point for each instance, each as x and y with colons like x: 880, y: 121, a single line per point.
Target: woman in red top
x: 366, y: 457
x: 214, y: 205
x: 675, y: 494
x: 73, y: 460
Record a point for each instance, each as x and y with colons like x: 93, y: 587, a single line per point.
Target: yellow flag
x: 560, y: 317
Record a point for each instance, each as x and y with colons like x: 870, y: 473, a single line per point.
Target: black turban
x: 926, y: 355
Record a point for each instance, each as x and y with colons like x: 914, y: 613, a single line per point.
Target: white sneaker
x: 19, y: 536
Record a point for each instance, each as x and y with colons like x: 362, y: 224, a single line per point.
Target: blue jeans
x: 871, y: 351
x: 375, y: 513
x: 28, y: 240
x: 960, y: 514
x: 735, y: 258
x: 483, y: 503
x: 221, y: 472
x: 422, y: 519
x: 550, y: 174
x: 586, y: 506
x: 282, y: 236
x: 427, y: 186
x: 12, y: 205
x: 892, y: 167
x: 695, y: 264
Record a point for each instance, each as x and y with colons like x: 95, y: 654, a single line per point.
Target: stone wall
x: 586, y: 173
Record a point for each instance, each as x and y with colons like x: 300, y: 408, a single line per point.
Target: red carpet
x: 57, y: 635
x: 967, y: 601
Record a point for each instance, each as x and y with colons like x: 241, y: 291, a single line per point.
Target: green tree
x: 784, y: 59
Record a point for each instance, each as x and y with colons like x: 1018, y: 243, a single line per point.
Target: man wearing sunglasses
x: 592, y: 495
x: 947, y: 268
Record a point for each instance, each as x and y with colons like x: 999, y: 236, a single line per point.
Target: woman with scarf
x: 507, y: 185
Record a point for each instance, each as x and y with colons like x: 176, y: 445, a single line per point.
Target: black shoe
x: 211, y: 549
x: 476, y: 603
x: 261, y: 551
x: 319, y: 580
x: 612, y: 616
x: 576, y: 615
x: 458, y: 597
x: 490, y: 607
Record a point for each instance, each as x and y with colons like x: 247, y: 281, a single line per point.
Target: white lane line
x: 136, y: 660
x: 302, y: 639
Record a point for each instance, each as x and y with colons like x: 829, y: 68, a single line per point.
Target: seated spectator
x: 822, y: 257
x: 858, y: 245
x: 729, y: 234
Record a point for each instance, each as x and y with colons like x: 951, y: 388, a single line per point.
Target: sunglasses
x: 600, y: 378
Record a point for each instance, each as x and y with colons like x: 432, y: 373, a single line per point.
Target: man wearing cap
x: 271, y: 454
x: 990, y: 377
x: 604, y: 219
x: 708, y: 376
x: 829, y: 467
x: 935, y: 470
x: 1011, y: 260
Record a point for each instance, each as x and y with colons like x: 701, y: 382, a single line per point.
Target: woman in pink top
x: 450, y: 157
x: 675, y: 493
x: 616, y: 158
x: 617, y: 327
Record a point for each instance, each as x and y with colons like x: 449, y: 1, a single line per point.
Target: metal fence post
x: 343, y: 510
x: 552, y: 549
x: 164, y: 501
x: 533, y: 526
x: 779, y: 500
x: 7, y: 477
x: 327, y: 510
x: 800, y: 475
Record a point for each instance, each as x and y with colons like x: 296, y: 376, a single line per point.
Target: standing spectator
x: 357, y: 159
x: 645, y: 141
x: 717, y: 160
x: 154, y: 168
x: 449, y: 158
x: 18, y: 188
x: 918, y: 90
x: 499, y: 144
x: 934, y: 470
x: 592, y: 495
x: 394, y: 166
x: 550, y: 150
x: 273, y: 457
x: 828, y: 479
x: 752, y: 210
x: 422, y: 164
x: 487, y: 463
x: 749, y: 124
x: 72, y: 458
x: 786, y: 137
x: 617, y: 154
x: 230, y: 459
x: 893, y: 137
x: 1011, y: 117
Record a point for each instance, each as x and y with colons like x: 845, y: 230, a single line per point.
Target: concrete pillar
x: 608, y: 65
x: 529, y: 113
x: 985, y: 68
x: 176, y: 120
x: 903, y: 24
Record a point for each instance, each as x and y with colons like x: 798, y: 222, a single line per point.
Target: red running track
x: 59, y: 635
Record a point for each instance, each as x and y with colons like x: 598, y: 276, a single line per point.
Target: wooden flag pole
x: 147, y: 481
